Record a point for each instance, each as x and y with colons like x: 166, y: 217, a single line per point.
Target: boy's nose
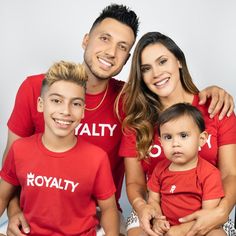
x: 65, y: 109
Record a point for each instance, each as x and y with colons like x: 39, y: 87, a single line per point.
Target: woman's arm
x: 110, y: 220
x: 227, y: 166
x: 136, y: 189
x: 135, y: 183
x: 208, y: 219
x: 159, y: 224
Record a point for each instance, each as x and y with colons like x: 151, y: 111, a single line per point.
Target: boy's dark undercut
x: 120, y: 13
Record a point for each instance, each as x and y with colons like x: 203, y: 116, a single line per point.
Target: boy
x: 184, y: 182
x: 61, y: 176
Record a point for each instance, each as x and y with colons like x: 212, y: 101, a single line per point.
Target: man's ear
x: 127, y: 58
x: 40, y: 104
x: 85, y: 41
x: 203, y: 138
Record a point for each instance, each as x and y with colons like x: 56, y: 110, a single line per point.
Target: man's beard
x: 96, y: 74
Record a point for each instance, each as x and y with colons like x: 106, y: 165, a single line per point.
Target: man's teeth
x: 105, y: 62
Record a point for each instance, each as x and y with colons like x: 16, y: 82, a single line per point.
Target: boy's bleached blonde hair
x: 66, y: 71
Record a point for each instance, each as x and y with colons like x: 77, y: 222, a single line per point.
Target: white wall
x: 34, y: 34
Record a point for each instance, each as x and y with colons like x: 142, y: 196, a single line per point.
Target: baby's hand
x: 160, y: 225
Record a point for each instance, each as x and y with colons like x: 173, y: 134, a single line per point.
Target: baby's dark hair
x: 178, y: 110
x: 120, y: 13
x: 66, y: 71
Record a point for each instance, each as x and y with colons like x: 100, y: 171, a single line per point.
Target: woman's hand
x: 205, y: 220
x: 146, y: 214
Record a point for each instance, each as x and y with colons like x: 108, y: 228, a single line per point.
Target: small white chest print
x: 172, y: 189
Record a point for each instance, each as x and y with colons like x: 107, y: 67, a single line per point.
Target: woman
x: 159, y: 78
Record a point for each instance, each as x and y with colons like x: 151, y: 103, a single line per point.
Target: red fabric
x: 59, y: 189
x: 182, y: 192
x: 100, y: 127
x: 220, y: 133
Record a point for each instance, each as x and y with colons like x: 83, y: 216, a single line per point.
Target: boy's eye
x: 55, y: 100
x: 77, y: 104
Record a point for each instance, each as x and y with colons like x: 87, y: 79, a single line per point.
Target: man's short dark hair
x: 120, y: 13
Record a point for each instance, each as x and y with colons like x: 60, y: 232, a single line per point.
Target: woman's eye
x: 163, y: 61
x: 144, y: 69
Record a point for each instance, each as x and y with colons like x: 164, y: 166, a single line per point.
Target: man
x: 106, y: 49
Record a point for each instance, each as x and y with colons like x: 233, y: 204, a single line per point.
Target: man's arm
x: 110, y: 220
x: 15, y: 215
x: 17, y: 220
x: 11, y: 137
x: 6, y: 192
x: 221, y: 101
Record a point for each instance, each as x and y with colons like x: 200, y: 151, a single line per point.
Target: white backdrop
x: 34, y: 34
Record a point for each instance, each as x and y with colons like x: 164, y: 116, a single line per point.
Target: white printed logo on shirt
x: 95, y: 129
x: 51, y: 182
x: 172, y: 189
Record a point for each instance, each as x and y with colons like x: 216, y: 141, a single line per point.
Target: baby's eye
x: 167, y: 137
x: 184, y: 135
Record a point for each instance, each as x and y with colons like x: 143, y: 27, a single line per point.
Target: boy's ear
x: 203, y: 138
x: 40, y: 104
x: 85, y: 41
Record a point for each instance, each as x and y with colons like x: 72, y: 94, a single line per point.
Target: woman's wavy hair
x: 142, y: 106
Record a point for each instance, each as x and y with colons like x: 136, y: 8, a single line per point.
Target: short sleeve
x: 128, y: 145
x: 104, y: 186
x: 212, y: 183
x: 153, y: 183
x: 24, y: 114
x: 8, y: 172
x: 227, y: 130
